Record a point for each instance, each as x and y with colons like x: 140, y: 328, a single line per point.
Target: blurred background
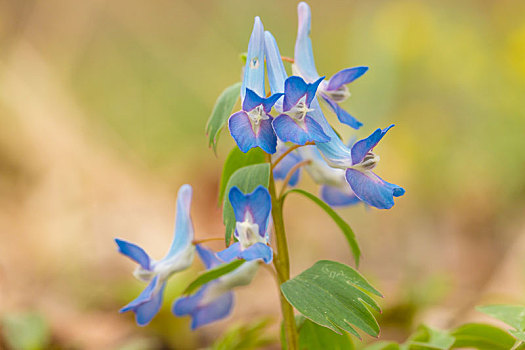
x: 103, y: 106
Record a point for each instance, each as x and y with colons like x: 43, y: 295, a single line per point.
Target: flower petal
x: 252, y: 100
x: 295, y: 88
x: 335, y: 152
x: 231, y: 253
x: 258, y: 203
x: 345, y: 76
x: 254, y: 70
x: 362, y: 147
x: 373, y: 190
x: 145, y: 296
x: 285, y: 165
x: 188, y: 305
x: 343, y: 116
x: 304, y: 57
x: 213, y: 311
x: 145, y: 312
x: 208, y: 257
x: 335, y: 197
x: 276, y: 72
x: 243, y: 134
x: 266, y: 138
x: 257, y: 251
x: 289, y: 131
x: 135, y: 253
x: 183, y: 225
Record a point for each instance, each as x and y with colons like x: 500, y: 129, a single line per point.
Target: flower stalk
x: 281, y: 262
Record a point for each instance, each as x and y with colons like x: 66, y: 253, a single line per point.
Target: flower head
x: 179, y: 257
x: 333, y: 91
x: 367, y: 185
x: 252, y: 126
x: 354, y: 161
x: 252, y: 215
x: 214, y: 300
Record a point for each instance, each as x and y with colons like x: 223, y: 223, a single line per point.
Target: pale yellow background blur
x: 102, y: 113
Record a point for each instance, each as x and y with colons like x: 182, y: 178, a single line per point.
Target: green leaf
x: 236, y: 160
x: 482, y: 337
x: 333, y: 295
x: 347, y: 230
x: 245, y: 337
x: 247, y: 179
x: 430, y: 338
x: 26, y: 331
x: 221, y: 112
x: 513, y: 315
x: 212, y: 274
x: 313, y: 337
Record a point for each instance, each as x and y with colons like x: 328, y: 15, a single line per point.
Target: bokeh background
x: 102, y: 111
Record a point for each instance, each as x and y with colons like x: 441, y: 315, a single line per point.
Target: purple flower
x: 333, y: 91
x: 214, y: 300
x: 252, y: 215
x: 357, y: 161
x: 179, y: 257
x: 252, y: 126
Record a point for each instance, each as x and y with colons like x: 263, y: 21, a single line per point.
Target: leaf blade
x: 212, y: 274
x: 327, y: 294
x: 237, y: 159
x: 482, y: 337
x: 513, y: 315
x: 221, y: 112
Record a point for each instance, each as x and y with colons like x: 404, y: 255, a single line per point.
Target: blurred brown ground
x: 103, y: 106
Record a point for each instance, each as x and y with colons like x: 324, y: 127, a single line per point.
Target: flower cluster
x: 344, y: 171
x: 214, y: 300
x: 296, y: 134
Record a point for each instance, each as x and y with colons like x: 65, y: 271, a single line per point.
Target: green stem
x: 516, y: 345
x: 282, y: 266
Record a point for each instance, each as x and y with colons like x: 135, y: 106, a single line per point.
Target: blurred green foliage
x: 26, y: 331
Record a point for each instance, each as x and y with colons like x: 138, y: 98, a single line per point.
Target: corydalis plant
x: 277, y: 134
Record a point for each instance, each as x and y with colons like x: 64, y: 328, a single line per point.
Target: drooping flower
x: 252, y: 126
x: 357, y: 165
x: 252, y: 215
x: 179, y: 257
x: 214, y: 300
x: 333, y: 91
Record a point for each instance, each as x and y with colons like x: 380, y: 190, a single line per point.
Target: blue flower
x: 179, y: 257
x: 214, y: 300
x: 367, y: 185
x: 356, y: 163
x: 252, y: 126
x: 333, y: 91
x: 252, y: 215
x: 295, y: 124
